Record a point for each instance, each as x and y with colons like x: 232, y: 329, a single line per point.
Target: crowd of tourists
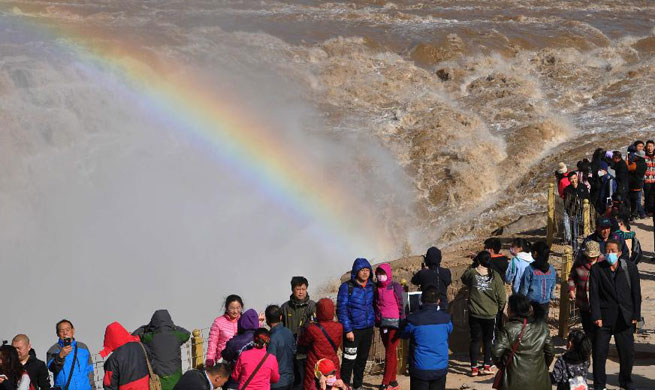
x: 296, y: 345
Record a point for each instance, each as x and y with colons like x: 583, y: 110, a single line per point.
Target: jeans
x: 355, y: 355
x: 481, y: 329
x: 437, y: 384
x: 299, y: 373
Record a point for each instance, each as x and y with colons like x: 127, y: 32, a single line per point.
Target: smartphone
x: 67, y: 342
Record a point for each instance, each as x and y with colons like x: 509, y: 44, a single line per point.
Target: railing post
x: 550, y: 225
x: 564, y: 303
x: 586, y: 218
x: 197, y: 349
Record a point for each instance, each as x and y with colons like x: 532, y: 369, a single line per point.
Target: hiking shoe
x: 475, y: 371
x: 488, y: 370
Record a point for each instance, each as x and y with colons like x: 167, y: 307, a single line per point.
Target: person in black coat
x: 36, y: 369
x: 615, y: 300
x: 433, y: 274
x: 621, y: 174
x: 211, y: 377
x: 637, y: 170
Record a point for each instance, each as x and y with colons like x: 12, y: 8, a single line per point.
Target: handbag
x: 252, y: 375
x: 327, y: 336
x: 501, y: 370
x: 154, y: 383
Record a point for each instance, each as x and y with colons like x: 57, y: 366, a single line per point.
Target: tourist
x: 604, y: 233
x: 486, y: 298
x: 60, y: 359
x: 127, y: 366
x: 524, y: 349
x: 389, y: 311
x: 163, y: 340
x: 321, y: 340
x: 297, y: 313
x: 428, y: 330
x: 13, y: 375
x: 579, y: 284
x: 432, y: 273
x: 615, y: 299
x: 36, y: 369
x: 574, y: 195
x: 223, y: 329
x: 649, y: 176
x: 522, y: 258
x: 571, y: 368
x: 247, y: 325
x: 283, y: 346
x: 539, y: 280
x: 256, y: 368
x: 356, y: 314
x: 637, y: 171
x: 499, y: 261
x: 325, y: 373
x: 209, y: 378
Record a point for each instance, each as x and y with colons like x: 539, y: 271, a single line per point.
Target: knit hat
x: 592, y: 249
x: 324, y: 367
x: 561, y: 168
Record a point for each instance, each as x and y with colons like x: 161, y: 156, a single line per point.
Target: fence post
x: 586, y: 218
x: 564, y: 303
x: 550, y: 225
x: 197, y: 349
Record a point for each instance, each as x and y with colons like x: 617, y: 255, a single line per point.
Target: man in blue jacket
x: 428, y: 329
x: 283, y: 346
x: 70, y: 360
x: 356, y: 314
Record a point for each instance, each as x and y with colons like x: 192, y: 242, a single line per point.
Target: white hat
x: 561, y: 168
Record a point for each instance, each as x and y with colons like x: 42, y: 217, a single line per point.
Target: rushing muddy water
x: 441, y: 120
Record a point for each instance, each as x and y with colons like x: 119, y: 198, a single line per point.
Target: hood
x: 32, y: 353
x: 248, y: 321
x: 325, y: 310
x: 387, y: 270
x: 359, y: 264
x: 161, y: 320
x: 115, y: 337
x: 525, y: 257
x: 433, y: 257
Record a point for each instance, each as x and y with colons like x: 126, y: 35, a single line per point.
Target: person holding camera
x: 432, y: 273
x: 70, y: 360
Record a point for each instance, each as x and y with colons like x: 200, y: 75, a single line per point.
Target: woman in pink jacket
x: 223, y: 329
x: 389, y: 311
x: 246, y: 371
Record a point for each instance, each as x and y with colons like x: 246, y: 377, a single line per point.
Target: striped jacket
x: 649, y: 178
x: 579, y: 282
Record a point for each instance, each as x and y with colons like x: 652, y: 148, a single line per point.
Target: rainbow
x: 237, y: 136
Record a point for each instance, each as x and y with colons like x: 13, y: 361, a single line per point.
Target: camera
x: 67, y: 341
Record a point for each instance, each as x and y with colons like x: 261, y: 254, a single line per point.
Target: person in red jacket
x: 256, y: 369
x: 323, y: 339
x: 126, y: 368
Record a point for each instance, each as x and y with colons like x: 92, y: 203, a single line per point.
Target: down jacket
x: 389, y: 297
x: 126, y: 368
x: 355, y: 302
x: 316, y: 342
x: 163, y: 340
x: 222, y: 330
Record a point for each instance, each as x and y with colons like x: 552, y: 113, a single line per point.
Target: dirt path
x: 644, y: 368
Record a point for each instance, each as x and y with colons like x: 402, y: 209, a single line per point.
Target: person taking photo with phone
x: 70, y: 360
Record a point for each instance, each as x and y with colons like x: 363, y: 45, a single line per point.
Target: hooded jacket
x: 163, y: 340
x: 82, y: 378
x: 223, y: 329
x: 529, y: 366
x: 126, y: 368
x: 355, y: 302
x: 637, y: 172
x: 428, y: 330
x: 486, y: 293
x: 317, y: 343
x: 539, y: 286
x: 38, y: 372
x: 248, y: 324
x: 515, y: 269
x: 434, y: 275
x: 283, y: 346
x: 622, y: 176
x: 388, y: 297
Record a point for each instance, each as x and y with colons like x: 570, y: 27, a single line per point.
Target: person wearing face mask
x: 615, y: 300
x: 486, y: 298
x: 389, y: 312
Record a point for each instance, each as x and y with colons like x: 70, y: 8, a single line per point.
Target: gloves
x: 209, y: 363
